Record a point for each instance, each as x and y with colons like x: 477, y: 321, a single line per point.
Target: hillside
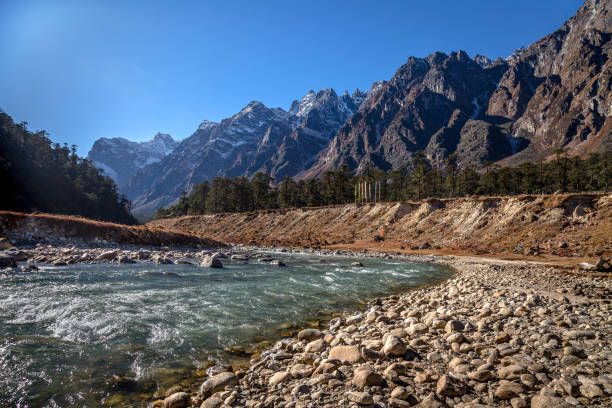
x: 47, y: 227
x: 38, y: 175
x: 565, y: 225
x: 554, y: 94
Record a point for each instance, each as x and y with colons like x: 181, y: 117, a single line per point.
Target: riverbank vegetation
x: 562, y: 174
x: 39, y: 175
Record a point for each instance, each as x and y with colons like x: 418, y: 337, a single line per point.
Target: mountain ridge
x: 555, y: 93
x: 119, y: 158
x: 256, y: 139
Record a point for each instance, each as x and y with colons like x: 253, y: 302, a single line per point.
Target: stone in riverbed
x: 545, y: 401
x: 361, y: 398
x: 280, y: 377
x: 454, y: 326
x: 448, y: 386
x: 367, y: 378
x: 125, y: 260
x: 212, y: 402
x: 511, y: 372
x: 5, y: 243
x: 394, y: 346
x: 7, y: 261
x: 211, y: 261
x: 218, y: 383
x: 315, y: 346
x: 309, y: 335
x: 277, y: 262
x: 480, y: 375
x: 591, y: 390
x: 508, y: 389
x: 350, y: 354
x: 177, y: 400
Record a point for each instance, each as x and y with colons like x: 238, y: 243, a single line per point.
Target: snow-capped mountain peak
x: 119, y: 158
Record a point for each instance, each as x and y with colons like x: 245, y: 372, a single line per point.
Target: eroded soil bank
x: 568, y: 225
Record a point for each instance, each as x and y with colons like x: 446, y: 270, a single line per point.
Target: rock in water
x: 211, y: 261
x: 7, y: 261
x: 5, y: 243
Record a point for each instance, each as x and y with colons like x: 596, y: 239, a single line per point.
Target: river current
x: 87, y: 335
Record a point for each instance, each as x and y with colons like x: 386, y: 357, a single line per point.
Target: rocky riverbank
x: 496, y: 334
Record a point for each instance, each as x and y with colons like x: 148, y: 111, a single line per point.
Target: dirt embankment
x: 47, y: 227
x: 568, y: 225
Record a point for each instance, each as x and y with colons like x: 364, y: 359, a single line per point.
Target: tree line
x: 561, y: 174
x: 39, y: 175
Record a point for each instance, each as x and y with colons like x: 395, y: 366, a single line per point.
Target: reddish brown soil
x: 43, y: 225
x: 549, y: 227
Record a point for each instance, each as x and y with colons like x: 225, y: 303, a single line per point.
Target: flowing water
x: 83, y: 335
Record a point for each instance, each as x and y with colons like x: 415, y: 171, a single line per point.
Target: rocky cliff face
x: 272, y: 140
x: 121, y: 158
x: 423, y: 107
x: 555, y: 93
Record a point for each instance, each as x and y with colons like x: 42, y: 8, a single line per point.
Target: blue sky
x: 88, y: 69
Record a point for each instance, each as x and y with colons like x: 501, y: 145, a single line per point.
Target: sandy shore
x: 498, y: 333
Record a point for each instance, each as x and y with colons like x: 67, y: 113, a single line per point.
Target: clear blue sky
x: 88, y: 69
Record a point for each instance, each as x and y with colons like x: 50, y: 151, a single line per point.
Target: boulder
x: 125, y: 260
x: 280, y: 377
x: 367, y: 378
x: 212, y: 402
x: 5, y: 243
x: 448, y: 386
x: 394, y: 346
x: 350, y: 354
x: 309, y: 335
x: 454, y: 326
x: 361, y: 398
x: 177, y: 400
x: 7, y: 261
x: 545, y: 401
x: 508, y: 390
x: 316, y: 346
x: 218, y: 383
x: 211, y: 261
x: 480, y: 375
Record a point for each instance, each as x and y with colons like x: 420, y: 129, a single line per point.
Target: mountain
x: 256, y: 139
x: 553, y: 94
x: 424, y: 106
x: 558, y: 92
x: 38, y: 175
x: 120, y: 158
